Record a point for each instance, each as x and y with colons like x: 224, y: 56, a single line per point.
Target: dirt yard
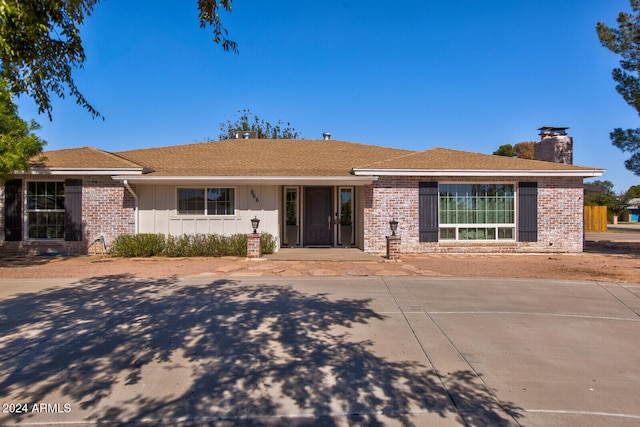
x: 602, y: 261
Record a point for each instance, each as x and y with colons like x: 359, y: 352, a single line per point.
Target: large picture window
x: 206, y: 201
x: 45, y: 210
x: 476, y: 212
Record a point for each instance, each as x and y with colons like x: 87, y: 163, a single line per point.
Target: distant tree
x: 505, y: 150
x: 616, y: 204
x: 525, y: 150
x: 18, y: 143
x: 625, y: 41
x: 40, y: 45
x: 607, y: 186
x: 633, y: 192
x: 250, y: 122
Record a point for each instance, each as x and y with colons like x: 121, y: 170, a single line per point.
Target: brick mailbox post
x: 254, y: 245
x: 393, y: 248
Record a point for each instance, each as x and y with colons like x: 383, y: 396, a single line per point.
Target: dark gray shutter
x: 428, y: 211
x: 13, y: 210
x: 73, y: 210
x: 528, y: 211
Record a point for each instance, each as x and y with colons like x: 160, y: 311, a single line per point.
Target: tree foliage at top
x: 505, y: 150
x: 625, y: 41
x: 18, y: 143
x: 249, y: 122
x: 525, y: 150
x: 522, y: 150
x: 40, y: 45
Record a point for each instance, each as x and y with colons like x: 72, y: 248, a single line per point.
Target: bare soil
x: 601, y: 261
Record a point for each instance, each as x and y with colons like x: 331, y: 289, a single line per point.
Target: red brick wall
x: 560, y: 216
x: 108, y: 210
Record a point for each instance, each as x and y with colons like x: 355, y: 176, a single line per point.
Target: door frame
x: 335, y: 214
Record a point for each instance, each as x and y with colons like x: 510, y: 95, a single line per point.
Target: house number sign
x: 255, y: 197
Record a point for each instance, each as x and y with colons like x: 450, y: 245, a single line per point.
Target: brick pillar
x: 254, y: 246
x: 393, y: 248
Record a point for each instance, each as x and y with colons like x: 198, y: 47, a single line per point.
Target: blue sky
x: 462, y: 74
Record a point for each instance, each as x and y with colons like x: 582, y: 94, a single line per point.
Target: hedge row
x: 148, y: 245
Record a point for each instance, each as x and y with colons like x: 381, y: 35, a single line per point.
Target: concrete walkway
x: 319, y: 351
x: 321, y: 254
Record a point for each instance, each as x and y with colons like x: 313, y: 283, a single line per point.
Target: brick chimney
x: 554, y: 146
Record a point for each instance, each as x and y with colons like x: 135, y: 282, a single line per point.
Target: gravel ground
x: 603, y: 261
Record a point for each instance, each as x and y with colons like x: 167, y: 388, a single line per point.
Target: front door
x: 318, y: 224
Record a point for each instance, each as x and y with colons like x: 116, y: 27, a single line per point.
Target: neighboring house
x: 444, y: 200
x: 632, y: 212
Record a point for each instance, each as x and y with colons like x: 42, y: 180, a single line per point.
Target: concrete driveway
x: 319, y: 351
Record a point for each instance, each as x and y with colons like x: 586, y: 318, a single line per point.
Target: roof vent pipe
x: 326, y: 136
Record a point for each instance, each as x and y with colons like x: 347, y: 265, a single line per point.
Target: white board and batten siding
x: 158, y: 211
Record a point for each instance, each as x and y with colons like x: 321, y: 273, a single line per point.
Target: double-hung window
x: 45, y: 210
x: 206, y: 201
x: 476, y: 212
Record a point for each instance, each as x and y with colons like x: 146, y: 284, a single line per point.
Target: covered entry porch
x: 322, y: 216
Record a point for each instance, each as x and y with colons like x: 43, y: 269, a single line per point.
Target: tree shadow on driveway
x: 250, y: 352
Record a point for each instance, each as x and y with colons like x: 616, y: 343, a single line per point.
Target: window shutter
x: 73, y: 210
x: 528, y: 211
x: 428, y: 211
x: 13, y: 210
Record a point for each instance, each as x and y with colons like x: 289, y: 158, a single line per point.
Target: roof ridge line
x: 117, y: 156
x: 413, y: 153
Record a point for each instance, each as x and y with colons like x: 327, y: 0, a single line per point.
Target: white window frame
x: 205, y: 212
x: 36, y: 211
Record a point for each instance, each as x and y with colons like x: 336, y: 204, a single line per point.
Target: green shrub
x: 176, y: 246
x: 268, y: 243
x: 140, y: 245
x: 214, y: 245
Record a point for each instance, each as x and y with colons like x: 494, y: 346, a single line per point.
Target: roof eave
x: 82, y: 171
x: 585, y: 173
x: 246, y: 180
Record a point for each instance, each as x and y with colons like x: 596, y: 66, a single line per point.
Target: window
x: 291, y: 206
x: 346, y: 216
x: 206, y: 201
x: 45, y: 210
x: 476, y: 212
x: 291, y: 217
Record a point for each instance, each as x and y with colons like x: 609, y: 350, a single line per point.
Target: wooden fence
x: 595, y: 218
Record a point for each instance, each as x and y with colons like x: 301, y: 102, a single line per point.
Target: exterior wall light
x: 394, y: 226
x: 254, y: 224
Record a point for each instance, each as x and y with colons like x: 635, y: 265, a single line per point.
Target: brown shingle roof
x: 80, y: 158
x: 283, y: 157
x: 260, y: 157
x: 446, y: 159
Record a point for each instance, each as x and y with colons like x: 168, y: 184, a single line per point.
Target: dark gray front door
x: 318, y: 226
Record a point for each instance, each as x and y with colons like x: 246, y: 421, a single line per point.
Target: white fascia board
x: 480, y: 172
x: 83, y: 171
x: 256, y: 180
